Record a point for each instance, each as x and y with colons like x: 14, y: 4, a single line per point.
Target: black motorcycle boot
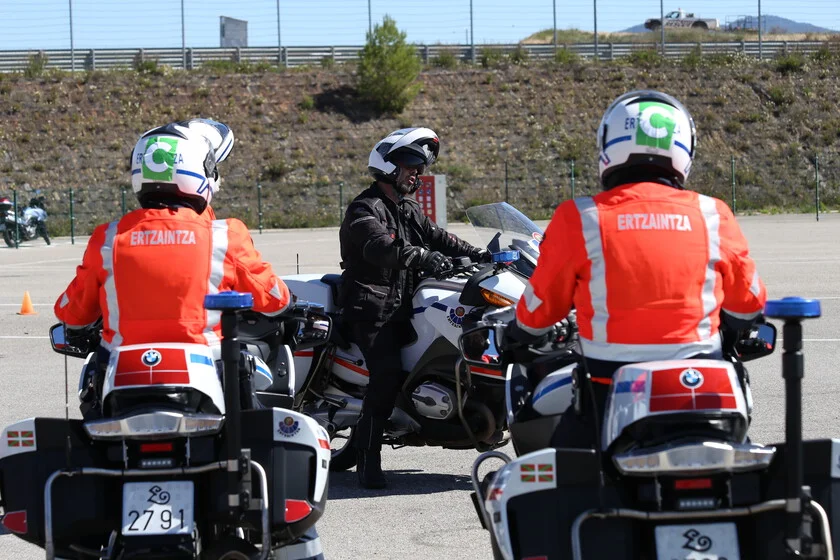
x: 369, y: 451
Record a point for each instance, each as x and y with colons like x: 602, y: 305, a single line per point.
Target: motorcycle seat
x: 334, y: 282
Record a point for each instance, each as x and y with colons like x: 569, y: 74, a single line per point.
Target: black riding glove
x: 517, y: 336
x: 429, y: 261
x: 482, y: 256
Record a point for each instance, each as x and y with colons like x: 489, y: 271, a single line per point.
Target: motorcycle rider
x: 133, y: 273
x: 385, y: 241
x: 650, y: 267
x: 130, y: 275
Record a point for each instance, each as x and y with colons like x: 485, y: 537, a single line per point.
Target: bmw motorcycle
x: 442, y: 402
x: 675, y: 475
x: 178, y: 462
x: 30, y: 224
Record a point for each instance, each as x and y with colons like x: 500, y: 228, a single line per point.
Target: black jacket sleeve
x: 371, y: 236
x: 441, y: 240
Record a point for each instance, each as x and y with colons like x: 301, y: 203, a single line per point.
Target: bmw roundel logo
x: 151, y: 358
x: 691, y: 378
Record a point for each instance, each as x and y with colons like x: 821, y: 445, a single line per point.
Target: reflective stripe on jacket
x: 148, y: 273
x: 648, y: 268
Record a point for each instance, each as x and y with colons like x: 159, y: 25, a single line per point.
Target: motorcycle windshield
x: 500, y: 227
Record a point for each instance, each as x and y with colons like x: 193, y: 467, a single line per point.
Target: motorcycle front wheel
x: 8, y: 237
x: 343, y: 448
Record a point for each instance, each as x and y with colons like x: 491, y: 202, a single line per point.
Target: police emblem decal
x: 456, y: 316
x: 288, y: 427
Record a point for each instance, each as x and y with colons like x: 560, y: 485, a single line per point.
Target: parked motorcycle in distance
x: 675, y: 475
x: 173, y: 466
x: 30, y: 223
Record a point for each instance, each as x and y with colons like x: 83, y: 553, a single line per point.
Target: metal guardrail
x: 192, y: 58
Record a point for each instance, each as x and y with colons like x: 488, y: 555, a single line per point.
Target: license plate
x: 157, y: 508
x: 704, y: 541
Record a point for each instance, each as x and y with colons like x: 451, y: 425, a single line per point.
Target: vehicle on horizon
x: 678, y: 19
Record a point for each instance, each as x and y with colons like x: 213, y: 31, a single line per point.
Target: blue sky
x: 45, y: 24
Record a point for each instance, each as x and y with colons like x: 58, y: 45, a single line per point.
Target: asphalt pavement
x: 426, y: 512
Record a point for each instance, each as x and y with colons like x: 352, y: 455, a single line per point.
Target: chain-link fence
x: 536, y: 188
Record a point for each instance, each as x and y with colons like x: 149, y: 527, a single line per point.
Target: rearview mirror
x: 478, y: 346
x: 58, y: 339
x: 760, y: 342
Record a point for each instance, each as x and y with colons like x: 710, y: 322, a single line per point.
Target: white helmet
x: 646, y: 129
x: 177, y: 162
x: 408, y: 146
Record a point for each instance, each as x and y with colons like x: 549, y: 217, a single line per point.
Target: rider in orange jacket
x: 650, y: 268
x: 146, y: 274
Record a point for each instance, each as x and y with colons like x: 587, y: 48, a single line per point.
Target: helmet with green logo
x: 176, y: 163
x: 648, y: 130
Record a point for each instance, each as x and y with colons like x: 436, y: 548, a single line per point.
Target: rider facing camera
x: 385, y: 241
x: 651, y: 268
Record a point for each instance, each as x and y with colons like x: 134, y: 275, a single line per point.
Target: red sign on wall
x: 425, y: 196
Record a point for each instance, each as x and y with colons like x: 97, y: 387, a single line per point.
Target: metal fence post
x: 817, y: 189
x: 340, y: 201
x: 572, y: 173
x: 72, y: 220
x: 507, y: 191
x: 17, y: 222
x: 122, y: 200
x: 259, y: 207
x: 732, y: 163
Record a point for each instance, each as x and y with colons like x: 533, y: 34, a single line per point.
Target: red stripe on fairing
x: 700, y: 401
x: 171, y: 370
x: 667, y: 393
x: 352, y: 367
x: 486, y: 371
x: 305, y: 354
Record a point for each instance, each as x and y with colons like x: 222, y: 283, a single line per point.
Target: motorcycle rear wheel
x: 8, y: 237
x: 343, y: 458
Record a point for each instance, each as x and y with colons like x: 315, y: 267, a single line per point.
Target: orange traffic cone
x: 26, y: 308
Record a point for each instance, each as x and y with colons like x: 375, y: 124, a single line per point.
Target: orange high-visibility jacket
x: 148, y: 273
x: 648, y: 268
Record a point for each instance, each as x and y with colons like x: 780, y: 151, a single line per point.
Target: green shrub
x: 307, y: 103
x: 519, y: 56
x: 388, y: 68
x: 732, y: 127
x: 36, y: 65
x: 150, y: 67
x: 824, y: 54
x: 327, y: 62
x: 445, y: 59
x: 490, y: 57
x: 644, y: 57
x: 693, y: 59
x: 566, y: 57
x: 790, y: 63
x: 780, y: 96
